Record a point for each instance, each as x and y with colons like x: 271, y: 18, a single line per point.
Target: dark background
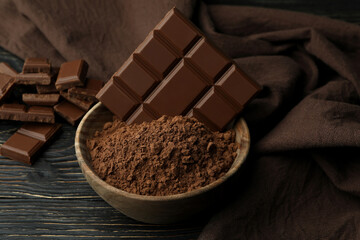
x: 52, y: 200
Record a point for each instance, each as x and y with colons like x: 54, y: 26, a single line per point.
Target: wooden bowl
x: 153, y: 209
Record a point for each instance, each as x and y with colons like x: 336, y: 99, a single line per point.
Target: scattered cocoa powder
x: 167, y: 156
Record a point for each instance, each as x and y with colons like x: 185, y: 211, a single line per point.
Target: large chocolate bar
x: 177, y: 71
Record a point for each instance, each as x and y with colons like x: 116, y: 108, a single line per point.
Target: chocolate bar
x: 71, y: 74
x: 69, y: 112
x: 177, y: 71
x: 36, y: 65
x: 6, y: 85
x: 40, y: 99
x: 6, y: 69
x: 27, y: 141
x: 89, y: 91
x: 19, y: 112
x: 33, y: 78
x: 81, y: 103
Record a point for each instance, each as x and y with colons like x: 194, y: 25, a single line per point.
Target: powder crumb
x: 167, y: 156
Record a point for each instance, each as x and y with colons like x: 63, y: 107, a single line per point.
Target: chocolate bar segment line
x: 193, y: 77
x: 44, y: 89
x: 208, y: 60
x: 137, y: 78
x: 177, y: 32
x: 117, y: 99
x: 177, y: 93
x: 19, y: 112
x: 40, y: 131
x: 28, y: 140
x: 71, y: 74
x: 21, y: 148
x: 36, y: 65
x: 155, y: 54
x: 69, y: 112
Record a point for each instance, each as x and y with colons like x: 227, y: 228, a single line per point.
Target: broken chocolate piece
x: 81, y: 103
x: 19, y: 112
x: 27, y: 141
x: 41, y: 131
x: 89, y: 91
x: 71, y: 74
x: 69, y: 112
x: 33, y: 78
x: 36, y: 65
x: 6, y: 85
x: 6, y: 69
x: 40, y: 99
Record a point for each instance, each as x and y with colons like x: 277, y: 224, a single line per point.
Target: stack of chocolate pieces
x: 35, y: 95
x: 176, y: 70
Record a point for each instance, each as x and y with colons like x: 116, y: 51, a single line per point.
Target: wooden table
x: 52, y: 200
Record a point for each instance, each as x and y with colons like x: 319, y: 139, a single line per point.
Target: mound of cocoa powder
x: 167, y: 156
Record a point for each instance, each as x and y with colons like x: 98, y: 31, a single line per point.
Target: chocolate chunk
x: 71, y: 74
x: 27, y: 141
x: 81, y: 103
x: 6, y: 69
x: 19, y: 112
x: 36, y: 65
x: 177, y: 71
x: 40, y: 131
x: 6, y: 85
x: 50, y: 88
x: 69, y: 112
x: 33, y: 78
x: 89, y: 91
x: 43, y: 89
x: 40, y: 99
x: 21, y: 148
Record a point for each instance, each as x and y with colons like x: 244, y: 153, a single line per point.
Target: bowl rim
x: 86, y: 168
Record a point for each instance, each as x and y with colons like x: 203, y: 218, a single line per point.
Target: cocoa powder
x: 167, y: 156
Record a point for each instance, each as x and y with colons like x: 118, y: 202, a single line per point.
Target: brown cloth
x: 302, y: 177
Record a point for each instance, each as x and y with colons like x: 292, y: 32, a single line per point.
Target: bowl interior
x: 95, y: 119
